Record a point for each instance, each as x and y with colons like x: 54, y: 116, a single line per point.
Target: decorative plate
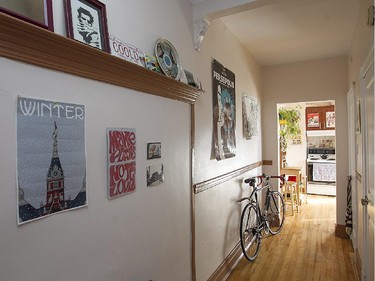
x: 168, y: 58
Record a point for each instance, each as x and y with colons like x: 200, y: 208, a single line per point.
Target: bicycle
x: 254, y: 221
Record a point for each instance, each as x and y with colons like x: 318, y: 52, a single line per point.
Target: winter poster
x: 250, y: 114
x: 121, y: 161
x: 51, y: 160
x: 224, y: 111
x: 155, y: 174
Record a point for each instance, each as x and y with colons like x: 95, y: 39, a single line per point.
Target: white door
x: 367, y: 96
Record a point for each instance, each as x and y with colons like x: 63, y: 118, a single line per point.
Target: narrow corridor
x: 306, y: 249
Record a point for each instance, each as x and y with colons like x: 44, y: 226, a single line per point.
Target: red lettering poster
x: 121, y: 161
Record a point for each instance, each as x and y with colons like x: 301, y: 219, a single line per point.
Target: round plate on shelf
x: 168, y: 58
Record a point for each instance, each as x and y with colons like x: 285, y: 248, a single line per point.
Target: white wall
x: 217, y: 213
x: 145, y: 235
x: 317, y: 80
x: 141, y: 236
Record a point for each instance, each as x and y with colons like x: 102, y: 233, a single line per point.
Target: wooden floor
x: 306, y: 248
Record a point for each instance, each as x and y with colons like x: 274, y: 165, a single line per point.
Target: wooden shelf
x: 28, y: 43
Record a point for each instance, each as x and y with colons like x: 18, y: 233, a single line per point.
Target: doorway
x: 314, y: 150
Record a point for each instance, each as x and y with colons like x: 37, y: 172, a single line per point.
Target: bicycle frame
x: 255, y: 218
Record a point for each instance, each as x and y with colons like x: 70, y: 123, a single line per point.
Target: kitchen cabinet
x: 320, y: 118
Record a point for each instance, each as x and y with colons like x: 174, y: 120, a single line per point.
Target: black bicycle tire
x: 275, y: 195
x: 253, y: 230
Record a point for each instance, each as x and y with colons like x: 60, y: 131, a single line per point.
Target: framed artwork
x: 38, y: 12
x: 154, y: 150
x: 86, y: 22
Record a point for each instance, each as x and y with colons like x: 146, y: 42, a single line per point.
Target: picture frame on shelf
x: 190, y: 78
x: 86, y: 22
x: 37, y: 12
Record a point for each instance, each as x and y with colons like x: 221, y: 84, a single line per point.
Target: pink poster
x: 121, y: 161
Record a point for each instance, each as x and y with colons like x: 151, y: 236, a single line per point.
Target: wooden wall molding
x: 226, y: 267
x: 203, y: 186
x: 31, y: 44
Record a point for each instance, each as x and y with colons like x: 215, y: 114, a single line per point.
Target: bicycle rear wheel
x: 249, y: 232
x: 275, y: 212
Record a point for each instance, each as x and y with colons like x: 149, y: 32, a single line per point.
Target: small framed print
x: 86, y: 22
x: 154, y: 150
x: 38, y: 12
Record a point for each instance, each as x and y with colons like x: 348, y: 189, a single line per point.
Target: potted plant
x: 289, y: 120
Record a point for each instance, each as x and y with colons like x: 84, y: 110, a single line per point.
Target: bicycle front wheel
x: 249, y: 232
x: 275, y: 212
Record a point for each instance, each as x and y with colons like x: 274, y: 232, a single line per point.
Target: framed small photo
x: 38, y: 12
x: 86, y: 22
x: 154, y: 150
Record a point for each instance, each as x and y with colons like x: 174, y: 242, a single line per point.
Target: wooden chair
x: 291, y: 194
x: 303, y: 190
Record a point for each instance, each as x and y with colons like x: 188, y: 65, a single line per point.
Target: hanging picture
x: 154, y: 150
x: 155, y: 174
x: 250, y: 114
x: 224, y: 111
x: 51, y: 160
x: 38, y: 12
x: 313, y: 120
x: 121, y: 153
x: 330, y: 119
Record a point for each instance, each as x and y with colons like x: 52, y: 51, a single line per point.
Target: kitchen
x: 315, y: 149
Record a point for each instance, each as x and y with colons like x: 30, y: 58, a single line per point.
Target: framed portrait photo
x: 38, y: 12
x: 86, y: 22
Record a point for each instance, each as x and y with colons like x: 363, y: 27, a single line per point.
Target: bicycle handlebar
x: 251, y: 181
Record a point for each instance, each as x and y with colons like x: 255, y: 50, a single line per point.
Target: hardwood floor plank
x: 306, y: 249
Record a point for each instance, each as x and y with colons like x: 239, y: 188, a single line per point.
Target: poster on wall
x: 224, y: 111
x: 313, y: 120
x: 121, y: 153
x: 51, y: 159
x: 250, y: 114
x: 330, y: 119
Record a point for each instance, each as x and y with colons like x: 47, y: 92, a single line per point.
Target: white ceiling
x: 294, y: 30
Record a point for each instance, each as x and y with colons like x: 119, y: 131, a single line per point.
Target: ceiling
x: 288, y: 31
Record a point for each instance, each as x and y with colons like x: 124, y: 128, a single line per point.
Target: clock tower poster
x: 51, y: 158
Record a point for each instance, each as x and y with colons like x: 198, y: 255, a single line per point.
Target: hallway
x: 306, y: 249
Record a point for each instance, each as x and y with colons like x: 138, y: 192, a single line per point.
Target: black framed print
x: 153, y: 150
x: 86, y: 22
x: 38, y: 12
